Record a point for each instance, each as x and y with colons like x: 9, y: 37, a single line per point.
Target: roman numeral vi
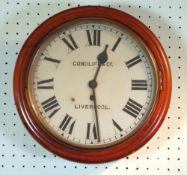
x: 91, y: 131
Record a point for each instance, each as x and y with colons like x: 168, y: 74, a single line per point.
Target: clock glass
x: 92, y: 83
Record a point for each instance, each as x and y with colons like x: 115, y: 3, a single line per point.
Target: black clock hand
x: 102, y: 58
x: 96, y: 115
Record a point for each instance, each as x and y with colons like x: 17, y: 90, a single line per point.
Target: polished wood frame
x: 92, y: 155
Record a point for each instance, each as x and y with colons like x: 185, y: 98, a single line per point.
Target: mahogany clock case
x: 91, y: 155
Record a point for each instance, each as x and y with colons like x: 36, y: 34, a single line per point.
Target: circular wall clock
x: 92, y: 84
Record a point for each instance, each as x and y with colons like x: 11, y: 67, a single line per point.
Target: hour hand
x: 103, y: 57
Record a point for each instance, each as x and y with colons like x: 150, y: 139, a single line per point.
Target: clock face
x: 92, y: 84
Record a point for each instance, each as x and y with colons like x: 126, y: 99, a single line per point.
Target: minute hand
x: 102, y: 58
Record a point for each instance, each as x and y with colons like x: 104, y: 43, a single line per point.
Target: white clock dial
x: 122, y: 88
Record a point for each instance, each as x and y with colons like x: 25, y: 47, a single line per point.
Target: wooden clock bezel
x: 63, y: 149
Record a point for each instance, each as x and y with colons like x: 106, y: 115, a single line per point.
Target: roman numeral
x: 94, y: 37
x: 139, y: 84
x: 116, y: 44
x: 133, y: 108
x: 116, y: 126
x: 52, y: 60
x: 133, y: 61
x: 70, y: 42
x: 46, y: 84
x: 51, y: 106
x: 91, y: 131
x: 67, y: 124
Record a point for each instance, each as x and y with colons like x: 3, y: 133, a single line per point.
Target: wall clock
x: 92, y: 84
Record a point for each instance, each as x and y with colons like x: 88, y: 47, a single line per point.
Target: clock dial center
x: 92, y: 84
